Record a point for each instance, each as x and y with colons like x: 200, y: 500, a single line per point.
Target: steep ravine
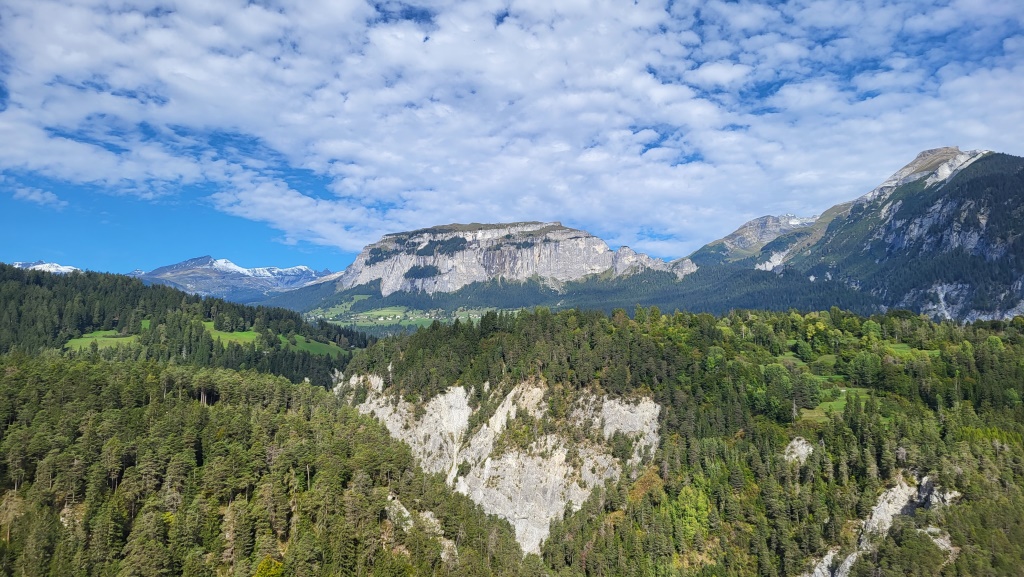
x: 528, y: 484
x: 901, y: 499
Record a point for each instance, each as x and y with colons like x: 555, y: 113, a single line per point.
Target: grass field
x: 246, y: 337
x: 311, y: 346
x: 241, y: 337
x: 103, y: 339
x: 819, y: 413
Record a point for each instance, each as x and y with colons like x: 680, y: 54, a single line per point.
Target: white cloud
x: 719, y: 73
x: 615, y: 117
x: 40, y: 197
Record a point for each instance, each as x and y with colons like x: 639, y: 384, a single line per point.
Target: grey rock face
x: 760, y: 231
x: 937, y: 164
x: 528, y: 486
x: 447, y: 258
x: 798, y: 450
x: 901, y: 499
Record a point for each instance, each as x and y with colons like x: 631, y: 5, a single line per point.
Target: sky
x: 135, y: 134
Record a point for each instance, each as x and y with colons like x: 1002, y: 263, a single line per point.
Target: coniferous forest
x: 161, y: 457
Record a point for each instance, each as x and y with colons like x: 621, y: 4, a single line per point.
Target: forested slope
x: 40, y: 310
x: 883, y: 401
x: 139, y: 468
x: 152, y: 459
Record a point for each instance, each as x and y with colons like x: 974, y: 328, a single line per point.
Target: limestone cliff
x: 529, y: 483
x: 900, y: 499
x: 447, y: 258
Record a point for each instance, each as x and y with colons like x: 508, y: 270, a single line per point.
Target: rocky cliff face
x: 943, y: 236
x: 760, y: 231
x: 447, y: 258
x: 935, y: 165
x: 900, y: 499
x: 528, y: 482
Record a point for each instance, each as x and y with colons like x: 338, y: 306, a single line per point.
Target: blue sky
x: 274, y: 133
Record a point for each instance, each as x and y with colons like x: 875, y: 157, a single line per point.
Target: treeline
x: 719, y: 499
x: 40, y: 310
x: 141, y: 468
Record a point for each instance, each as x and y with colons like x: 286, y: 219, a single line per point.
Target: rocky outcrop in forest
x: 511, y: 459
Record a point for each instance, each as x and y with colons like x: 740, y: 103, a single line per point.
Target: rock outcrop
x: 528, y: 484
x: 935, y: 165
x: 447, y: 258
x: 758, y: 232
x: 900, y: 499
x: 798, y: 450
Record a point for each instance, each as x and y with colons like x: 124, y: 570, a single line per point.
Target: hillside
x: 786, y: 443
x: 753, y: 443
x: 145, y: 468
x: 118, y: 316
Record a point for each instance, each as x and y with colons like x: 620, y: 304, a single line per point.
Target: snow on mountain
x: 46, y: 267
x: 222, y: 278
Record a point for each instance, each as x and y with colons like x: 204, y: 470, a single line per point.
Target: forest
x: 39, y: 310
x: 154, y: 459
x: 934, y: 399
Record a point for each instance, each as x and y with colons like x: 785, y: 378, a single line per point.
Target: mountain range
x: 45, y: 267
x: 222, y: 278
x: 942, y: 236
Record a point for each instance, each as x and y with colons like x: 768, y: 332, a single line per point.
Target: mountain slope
x: 858, y: 444
x: 750, y: 238
x: 222, y: 278
x: 944, y: 236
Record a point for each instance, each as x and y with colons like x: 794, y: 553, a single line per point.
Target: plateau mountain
x: 448, y: 258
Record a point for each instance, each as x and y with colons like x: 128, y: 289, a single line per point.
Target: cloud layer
x: 661, y: 126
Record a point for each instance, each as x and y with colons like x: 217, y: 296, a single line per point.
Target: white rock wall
x: 531, y: 487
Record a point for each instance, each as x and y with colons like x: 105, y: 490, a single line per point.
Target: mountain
x: 447, y: 258
x: 821, y: 443
x: 750, y: 238
x: 757, y: 443
x: 46, y: 267
x: 222, y: 278
x: 943, y: 236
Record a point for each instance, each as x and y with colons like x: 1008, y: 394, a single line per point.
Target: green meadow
x: 103, y: 339
x: 820, y: 413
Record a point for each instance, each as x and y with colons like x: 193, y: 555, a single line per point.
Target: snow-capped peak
x: 224, y: 265
x: 46, y: 267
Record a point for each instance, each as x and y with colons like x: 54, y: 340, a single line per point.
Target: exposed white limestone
x: 900, y: 499
x: 798, y: 450
x: 401, y: 516
x: 529, y: 486
x: 890, y: 503
x: 447, y: 258
x: 775, y: 260
x: 937, y: 164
